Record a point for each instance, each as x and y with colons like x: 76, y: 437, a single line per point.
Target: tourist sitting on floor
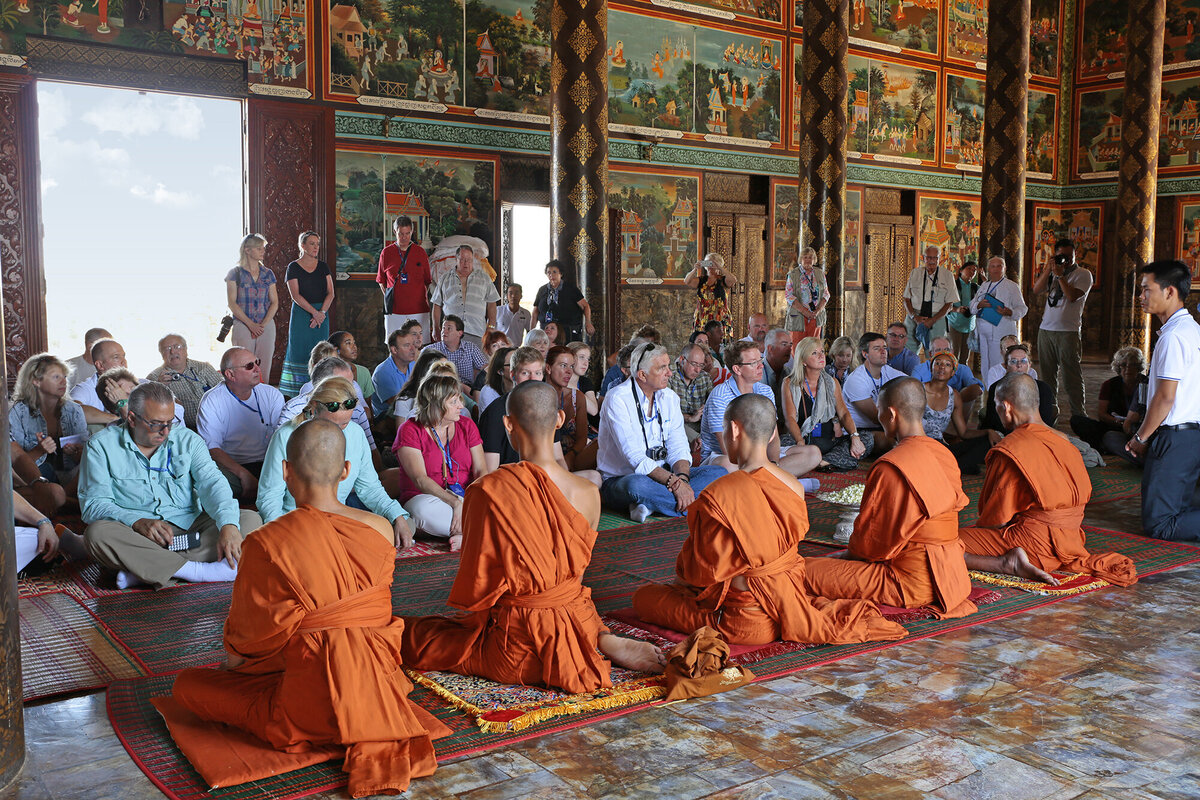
x: 714, y: 329
x: 312, y: 648
x: 777, y: 363
x: 1016, y: 359
x: 493, y: 340
x: 578, y: 452
x: 29, y: 482
x: 80, y: 367
x: 114, y: 386
x: 998, y: 371
x: 440, y: 453
x: 963, y: 381
x: 38, y: 536
x: 815, y: 412
x: 437, y: 364
x: 944, y: 413
x: 862, y: 388
x: 187, y: 378
x: 643, y: 454
x: 692, y: 385
x: 1120, y: 407
x: 530, y: 528
x: 335, y: 398
x: 497, y: 378
x: 347, y: 350
x: 148, y: 481
x: 237, y: 419
x: 899, y: 356
x: 465, y: 355
x: 619, y: 371
x: 553, y: 333
x: 538, y: 340
x: 395, y: 370
x: 840, y: 359
x: 331, y: 367
x: 581, y: 381
x: 42, y: 416
x: 106, y: 354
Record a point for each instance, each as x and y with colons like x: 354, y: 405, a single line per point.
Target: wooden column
x: 823, y: 143
x: 579, y: 148
x: 12, y: 719
x: 1004, y: 131
x: 1138, y: 176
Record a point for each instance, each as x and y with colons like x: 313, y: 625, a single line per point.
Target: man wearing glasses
x: 236, y: 420
x: 1016, y: 359
x: 155, y: 503
x: 693, y: 385
x: 187, y: 378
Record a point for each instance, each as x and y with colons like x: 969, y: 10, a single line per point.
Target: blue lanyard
x: 447, y: 461
x: 254, y: 408
x: 167, y: 468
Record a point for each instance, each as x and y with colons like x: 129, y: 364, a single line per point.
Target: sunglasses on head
x: 346, y: 404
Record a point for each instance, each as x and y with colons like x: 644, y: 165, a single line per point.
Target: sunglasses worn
x: 346, y: 404
x: 249, y: 367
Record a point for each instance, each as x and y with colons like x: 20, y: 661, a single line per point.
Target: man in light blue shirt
x: 393, y: 372
x: 148, y: 484
x: 899, y: 356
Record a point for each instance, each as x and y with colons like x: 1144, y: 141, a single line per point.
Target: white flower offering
x: 851, y: 495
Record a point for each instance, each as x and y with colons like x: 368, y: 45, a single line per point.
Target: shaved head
x: 533, y: 407
x: 905, y: 396
x: 316, y: 453
x: 1018, y: 390
x: 756, y: 415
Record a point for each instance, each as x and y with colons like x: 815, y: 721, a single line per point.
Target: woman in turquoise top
x: 333, y: 399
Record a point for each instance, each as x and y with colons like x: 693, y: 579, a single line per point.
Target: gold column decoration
x: 822, y: 193
x: 579, y: 146
x: 1138, y: 176
x: 1005, y: 121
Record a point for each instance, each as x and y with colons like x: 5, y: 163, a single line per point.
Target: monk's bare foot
x: 455, y: 543
x: 632, y: 654
x: 1016, y: 562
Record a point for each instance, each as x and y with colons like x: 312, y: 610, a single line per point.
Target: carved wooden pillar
x: 1138, y: 177
x: 579, y: 147
x: 12, y: 719
x: 291, y: 180
x: 1004, y: 132
x: 20, y: 223
x: 823, y: 142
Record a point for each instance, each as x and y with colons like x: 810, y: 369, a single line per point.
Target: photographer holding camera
x: 644, y: 454
x: 1067, y: 285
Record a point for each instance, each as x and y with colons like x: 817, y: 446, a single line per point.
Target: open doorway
x: 143, y: 211
x: 530, y: 246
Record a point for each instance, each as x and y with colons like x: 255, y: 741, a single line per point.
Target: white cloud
x: 54, y: 110
x: 48, y: 184
x: 162, y: 196
x: 147, y: 114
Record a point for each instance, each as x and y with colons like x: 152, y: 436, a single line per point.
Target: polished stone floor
x: 1094, y: 697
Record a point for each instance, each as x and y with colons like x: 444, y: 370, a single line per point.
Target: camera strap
x: 655, y: 413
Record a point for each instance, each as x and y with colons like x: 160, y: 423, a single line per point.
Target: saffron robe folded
x: 529, y: 619
x: 748, y: 525
x: 1034, y: 498
x: 905, y: 550
x: 312, y: 617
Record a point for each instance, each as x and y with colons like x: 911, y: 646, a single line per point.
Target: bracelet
x: 1140, y: 440
x: 683, y: 477
x: 42, y: 521
x: 122, y: 403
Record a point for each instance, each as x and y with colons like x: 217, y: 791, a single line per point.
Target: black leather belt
x: 1183, y: 426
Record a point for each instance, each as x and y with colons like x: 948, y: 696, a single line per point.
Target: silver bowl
x: 845, y: 526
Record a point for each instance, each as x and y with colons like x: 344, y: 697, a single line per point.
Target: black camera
x: 1065, y: 262
x: 657, y: 453
x: 226, y: 327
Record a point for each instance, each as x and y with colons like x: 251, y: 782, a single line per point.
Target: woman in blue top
x: 333, y: 399
x: 41, y: 415
x: 310, y: 284
x: 253, y: 300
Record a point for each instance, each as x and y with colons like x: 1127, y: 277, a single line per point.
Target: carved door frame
x: 888, y: 245
x: 738, y: 232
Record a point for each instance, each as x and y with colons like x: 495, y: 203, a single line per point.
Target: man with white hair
x: 187, y: 378
x: 998, y: 305
x: 928, y: 297
x: 643, y: 455
x: 468, y: 294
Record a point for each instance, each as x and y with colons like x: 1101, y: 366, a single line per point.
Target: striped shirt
x: 712, y: 424
x: 471, y: 307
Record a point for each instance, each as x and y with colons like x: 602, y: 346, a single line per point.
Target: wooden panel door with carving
x: 739, y: 238
x: 889, y: 243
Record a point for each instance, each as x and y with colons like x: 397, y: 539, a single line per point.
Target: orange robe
x: 529, y: 618
x: 312, y: 617
x: 905, y: 549
x: 1033, y: 498
x: 748, y: 525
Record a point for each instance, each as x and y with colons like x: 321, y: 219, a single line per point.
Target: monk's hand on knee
x: 156, y: 530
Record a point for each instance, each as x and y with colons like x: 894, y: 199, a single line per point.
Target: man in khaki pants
x: 1066, y: 285
x: 147, y: 483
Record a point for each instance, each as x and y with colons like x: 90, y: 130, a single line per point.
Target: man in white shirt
x: 513, y: 320
x: 333, y: 367
x: 862, y: 387
x: 106, y: 354
x: 928, y: 297
x: 80, y: 367
x: 643, y: 454
x: 1169, y: 436
x: 468, y: 294
x: 998, y: 295
x: 1059, y: 347
x: 236, y: 421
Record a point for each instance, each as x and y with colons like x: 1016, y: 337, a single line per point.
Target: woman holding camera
x: 712, y: 283
x: 253, y: 298
x: 998, y: 305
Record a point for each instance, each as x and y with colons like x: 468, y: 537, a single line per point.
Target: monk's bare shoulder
x: 374, y: 520
x: 786, y: 479
x: 580, y: 492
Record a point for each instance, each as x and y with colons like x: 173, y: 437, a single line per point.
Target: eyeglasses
x: 748, y: 364
x: 696, y: 364
x: 172, y: 347
x: 346, y: 404
x: 249, y: 367
x: 1016, y: 362
x: 154, y: 425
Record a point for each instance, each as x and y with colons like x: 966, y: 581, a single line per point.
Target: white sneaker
x: 639, y: 513
x: 811, y: 485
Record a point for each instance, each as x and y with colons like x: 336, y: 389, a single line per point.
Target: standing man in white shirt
x: 1059, y: 347
x: 80, y: 367
x: 511, y: 318
x: 1169, y: 436
x: 928, y: 297
x: 236, y: 420
x: 862, y: 387
x: 998, y: 295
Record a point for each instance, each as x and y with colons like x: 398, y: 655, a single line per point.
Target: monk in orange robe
x: 1032, y: 504
x: 905, y: 549
x: 739, y: 570
x: 313, y: 648
x: 528, y: 532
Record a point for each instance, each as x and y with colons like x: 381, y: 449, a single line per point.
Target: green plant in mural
x: 161, y: 41
x: 9, y: 16
x: 48, y: 14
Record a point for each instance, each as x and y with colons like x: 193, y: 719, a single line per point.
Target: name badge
x: 457, y: 488
x: 403, y: 277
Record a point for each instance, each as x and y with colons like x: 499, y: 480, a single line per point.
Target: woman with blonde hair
x: 583, y: 359
x: 42, y: 414
x: 253, y: 299
x: 841, y: 359
x: 440, y: 453
x: 333, y: 399
x: 310, y: 284
x: 807, y: 294
x: 815, y: 412
x: 712, y: 283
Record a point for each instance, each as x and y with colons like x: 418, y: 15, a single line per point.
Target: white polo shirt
x: 241, y: 428
x: 1176, y: 357
x: 861, y: 386
x: 1068, y: 315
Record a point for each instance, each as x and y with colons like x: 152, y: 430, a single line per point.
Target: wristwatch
x: 1140, y: 440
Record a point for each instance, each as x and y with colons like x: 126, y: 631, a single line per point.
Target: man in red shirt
x: 404, y: 269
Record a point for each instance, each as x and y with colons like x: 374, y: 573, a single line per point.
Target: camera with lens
x: 657, y: 453
x: 1065, y: 262
x: 707, y: 263
x: 226, y: 326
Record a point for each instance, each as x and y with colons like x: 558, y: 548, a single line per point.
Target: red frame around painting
x: 616, y: 167
x: 1095, y: 265
x: 1190, y: 255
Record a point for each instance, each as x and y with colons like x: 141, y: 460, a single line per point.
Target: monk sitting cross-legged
x: 528, y: 532
x: 905, y: 549
x: 739, y: 570
x: 1031, y: 508
x: 313, y: 648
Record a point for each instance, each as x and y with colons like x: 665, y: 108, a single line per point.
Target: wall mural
x: 751, y: 10
x: 785, y: 229
x: 508, y: 42
x: 271, y: 36
x: 852, y: 240
x: 663, y: 73
x: 966, y: 34
x: 1045, y: 19
x: 907, y: 24
x: 1041, y: 149
x: 396, y: 55
x: 659, y: 217
x: 1098, y: 115
x: 1102, y: 45
x: 1188, y: 225
x: 891, y: 109
x: 444, y: 194
x: 951, y: 222
x: 1079, y: 223
x: 962, y: 139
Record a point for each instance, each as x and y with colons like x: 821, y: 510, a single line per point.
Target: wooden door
x: 889, y: 245
x: 738, y: 237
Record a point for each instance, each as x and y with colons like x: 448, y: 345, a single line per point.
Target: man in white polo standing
x: 1066, y: 285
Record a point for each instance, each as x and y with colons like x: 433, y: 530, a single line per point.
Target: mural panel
x: 752, y: 10
x: 1045, y: 20
x: 911, y: 25
x: 962, y: 138
x: 966, y: 34
x: 852, y: 240
x: 659, y: 213
x: 1189, y: 236
x: 1079, y: 223
x: 739, y: 83
x: 508, y: 42
x: 1102, y: 44
x: 1099, y: 116
x: 398, y: 54
x: 1098, y: 122
x: 785, y: 227
x: 892, y: 110
x: 1041, y: 150
x: 443, y: 193
x: 951, y: 222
